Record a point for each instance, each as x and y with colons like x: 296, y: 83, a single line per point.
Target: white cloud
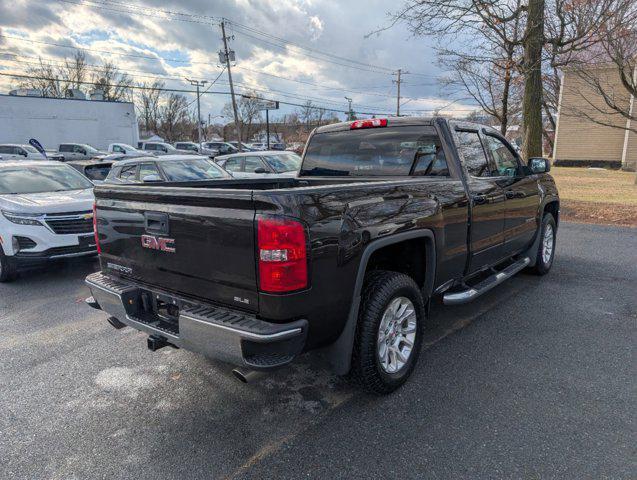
x: 331, y: 26
x: 316, y: 27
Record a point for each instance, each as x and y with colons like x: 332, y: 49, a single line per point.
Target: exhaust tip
x: 239, y: 375
x: 245, y: 375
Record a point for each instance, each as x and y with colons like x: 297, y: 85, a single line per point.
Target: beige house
x: 579, y: 140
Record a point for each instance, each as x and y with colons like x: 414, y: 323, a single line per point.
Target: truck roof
x: 393, y: 121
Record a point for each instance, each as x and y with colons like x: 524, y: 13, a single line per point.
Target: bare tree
x: 54, y: 80
x: 249, y: 113
x: 307, y: 113
x: 150, y: 97
x: 562, y: 26
x: 175, y: 119
x: 75, y: 70
x: 115, y: 86
x: 493, y: 82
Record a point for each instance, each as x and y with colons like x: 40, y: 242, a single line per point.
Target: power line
x: 245, y: 87
x: 303, y: 47
x: 207, y: 20
x: 175, y: 90
x: 159, y: 58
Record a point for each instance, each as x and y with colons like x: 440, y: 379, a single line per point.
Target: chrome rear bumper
x: 216, y: 332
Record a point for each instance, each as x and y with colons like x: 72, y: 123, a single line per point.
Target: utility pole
x: 398, y: 82
x: 267, y: 127
x: 349, y: 110
x: 198, y: 83
x: 237, y: 127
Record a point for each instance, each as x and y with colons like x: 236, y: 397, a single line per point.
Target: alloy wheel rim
x: 396, y: 334
x: 547, y: 244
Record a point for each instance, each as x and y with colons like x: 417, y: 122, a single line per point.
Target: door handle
x: 479, y: 199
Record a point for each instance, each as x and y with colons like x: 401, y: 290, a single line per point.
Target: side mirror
x: 151, y: 178
x: 164, y: 149
x: 24, y: 154
x: 83, y: 152
x: 539, y: 165
x: 260, y: 170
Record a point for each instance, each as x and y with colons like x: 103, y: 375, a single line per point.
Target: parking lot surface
x: 534, y: 380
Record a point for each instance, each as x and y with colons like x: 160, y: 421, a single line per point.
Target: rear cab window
x: 386, y: 151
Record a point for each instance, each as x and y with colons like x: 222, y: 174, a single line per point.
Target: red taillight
x: 371, y: 123
x: 282, y: 255
x: 97, y: 238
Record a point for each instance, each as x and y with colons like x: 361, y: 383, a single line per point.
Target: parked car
x: 277, y: 146
x: 95, y: 171
x: 219, y: 148
x: 168, y: 168
x: 125, y: 150
x: 79, y: 151
x: 244, y: 146
x: 160, y: 148
x: 385, y: 215
x: 46, y: 213
x: 296, y: 147
x: 258, y: 164
x: 187, y: 146
x: 257, y: 146
x: 15, y: 151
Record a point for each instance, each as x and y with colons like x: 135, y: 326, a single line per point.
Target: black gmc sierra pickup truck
x: 384, y: 215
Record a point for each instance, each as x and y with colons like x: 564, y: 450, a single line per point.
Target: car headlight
x: 22, y: 218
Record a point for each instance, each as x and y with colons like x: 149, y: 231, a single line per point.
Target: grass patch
x: 597, y: 196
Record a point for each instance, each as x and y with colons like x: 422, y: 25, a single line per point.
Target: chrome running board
x: 471, y: 293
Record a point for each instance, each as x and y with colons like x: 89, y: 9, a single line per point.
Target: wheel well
x: 554, y: 209
x: 408, y: 257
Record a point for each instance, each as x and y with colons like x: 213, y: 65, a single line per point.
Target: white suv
x: 16, y: 151
x: 46, y: 213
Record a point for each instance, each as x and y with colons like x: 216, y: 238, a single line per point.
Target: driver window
x: 506, y: 162
x: 146, y: 169
x: 252, y: 163
x: 233, y: 164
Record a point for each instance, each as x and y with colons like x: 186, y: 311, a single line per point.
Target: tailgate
x: 191, y: 241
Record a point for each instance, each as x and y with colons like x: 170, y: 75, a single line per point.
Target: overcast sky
x: 186, y: 46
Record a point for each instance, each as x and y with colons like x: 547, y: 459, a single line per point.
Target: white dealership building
x: 53, y: 121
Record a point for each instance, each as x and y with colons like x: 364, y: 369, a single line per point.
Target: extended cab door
x: 521, y: 193
x: 486, y: 235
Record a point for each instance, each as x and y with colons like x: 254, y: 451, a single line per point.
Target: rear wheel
x: 546, y: 249
x: 389, y: 332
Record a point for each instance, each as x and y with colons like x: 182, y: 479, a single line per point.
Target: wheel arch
x: 339, y: 353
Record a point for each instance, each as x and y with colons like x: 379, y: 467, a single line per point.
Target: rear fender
x: 339, y: 354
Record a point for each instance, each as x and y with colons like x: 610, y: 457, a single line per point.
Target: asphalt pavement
x: 534, y: 380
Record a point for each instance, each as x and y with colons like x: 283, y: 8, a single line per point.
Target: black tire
x: 381, y: 287
x: 542, y: 266
x: 7, y: 272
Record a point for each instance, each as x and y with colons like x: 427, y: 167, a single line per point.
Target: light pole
x: 198, y: 83
x: 349, y: 110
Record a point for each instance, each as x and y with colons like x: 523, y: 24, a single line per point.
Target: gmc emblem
x: 158, y: 243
